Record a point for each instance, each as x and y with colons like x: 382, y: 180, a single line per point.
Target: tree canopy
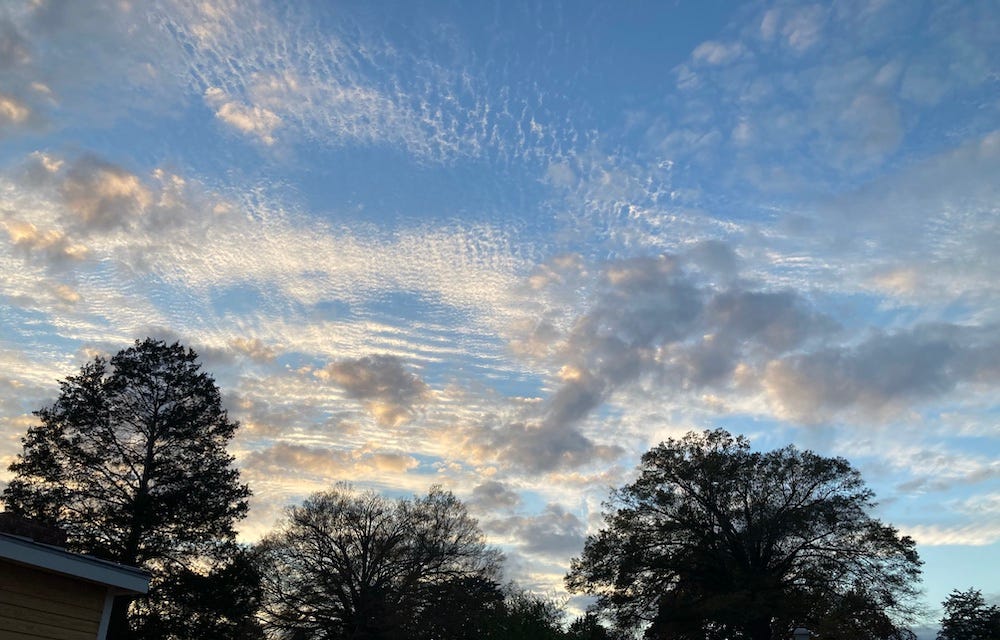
x: 131, y: 462
x: 968, y: 617
x: 350, y: 564
x: 715, y: 541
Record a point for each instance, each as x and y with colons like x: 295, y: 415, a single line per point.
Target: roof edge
x: 42, y: 556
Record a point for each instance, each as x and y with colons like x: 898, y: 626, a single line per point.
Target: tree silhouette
x: 527, y: 616
x: 714, y: 541
x: 131, y: 462
x: 350, y: 564
x: 588, y: 627
x: 968, y: 617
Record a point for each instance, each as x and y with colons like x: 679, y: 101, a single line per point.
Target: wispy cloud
x: 976, y: 534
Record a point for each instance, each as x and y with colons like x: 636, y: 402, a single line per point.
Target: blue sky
x: 508, y: 247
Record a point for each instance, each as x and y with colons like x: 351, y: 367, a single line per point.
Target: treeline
x: 712, y: 541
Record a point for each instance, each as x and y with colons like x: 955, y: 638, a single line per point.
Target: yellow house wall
x: 36, y: 604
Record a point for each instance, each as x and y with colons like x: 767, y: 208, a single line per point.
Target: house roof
x: 26, y: 551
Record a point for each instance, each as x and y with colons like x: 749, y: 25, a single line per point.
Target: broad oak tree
x: 968, y: 617
x: 351, y: 564
x: 131, y: 462
x: 714, y: 540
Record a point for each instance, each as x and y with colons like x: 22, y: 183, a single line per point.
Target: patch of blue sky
x: 141, y: 141
x: 504, y: 381
x: 608, y: 54
x: 16, y: 148
x: 410, y: 308
x: 240, y: 299
x: 532, y: 502
x: 40, y: 333
x: 427, y: 465
x: 950, y: 567
x: 765, y: 433
x: 329, y: 310
x: 347, y: 186
x: 856, y: 312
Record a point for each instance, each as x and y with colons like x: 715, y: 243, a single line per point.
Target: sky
x: 508, y: 247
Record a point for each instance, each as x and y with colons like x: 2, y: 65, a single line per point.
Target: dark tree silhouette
x: 588, y: 627
x: 483, y: 610
x: 527, y: 616
x: 463, y: 608
x: 968, y: 617
x: 349, y: 564
x: 716, y: 541
x: 221, y: 602
x: 131, y: 462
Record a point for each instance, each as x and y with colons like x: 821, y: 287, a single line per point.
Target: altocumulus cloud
x: 326, y: 462
x: 387, y: 390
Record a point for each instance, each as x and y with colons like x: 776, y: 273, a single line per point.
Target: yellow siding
x: 36, y: 605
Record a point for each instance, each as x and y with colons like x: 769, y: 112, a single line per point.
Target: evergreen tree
x: 130, y: 461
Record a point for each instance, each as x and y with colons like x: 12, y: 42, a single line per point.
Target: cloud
x: 668, y: 322
x: 102, y: 196
x: 715, y: 257
x: 14, y: 48
x: 113, y: 235
x: 91, y: 63
x: 802, y: 28
x: 52, y: 246
x: 980, y: 505
x: 334, y: 86
x: 493, y: 495
x: 288, y: 460
x: 388, y: 391
x: 252, y: 120
x: 253, y: 348
x: 820, y: 96
x: 714, y: 52
x: 555, y: 532
x: 933, y: 223
x: 652, y: 316
x: 874, y: 122
x: 540, y: 446
x: 885, y: 374
x: 13, y: 112
x: 976, y: 534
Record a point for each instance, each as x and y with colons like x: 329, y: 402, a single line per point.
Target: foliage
x: 527, y: 616
x: 217, y: 600
x: 349, y: 564
x: 714, y: 541
x: 587, y: 627
x: 463, y: 608
x: 968, y: 617
x: 131, y: 462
